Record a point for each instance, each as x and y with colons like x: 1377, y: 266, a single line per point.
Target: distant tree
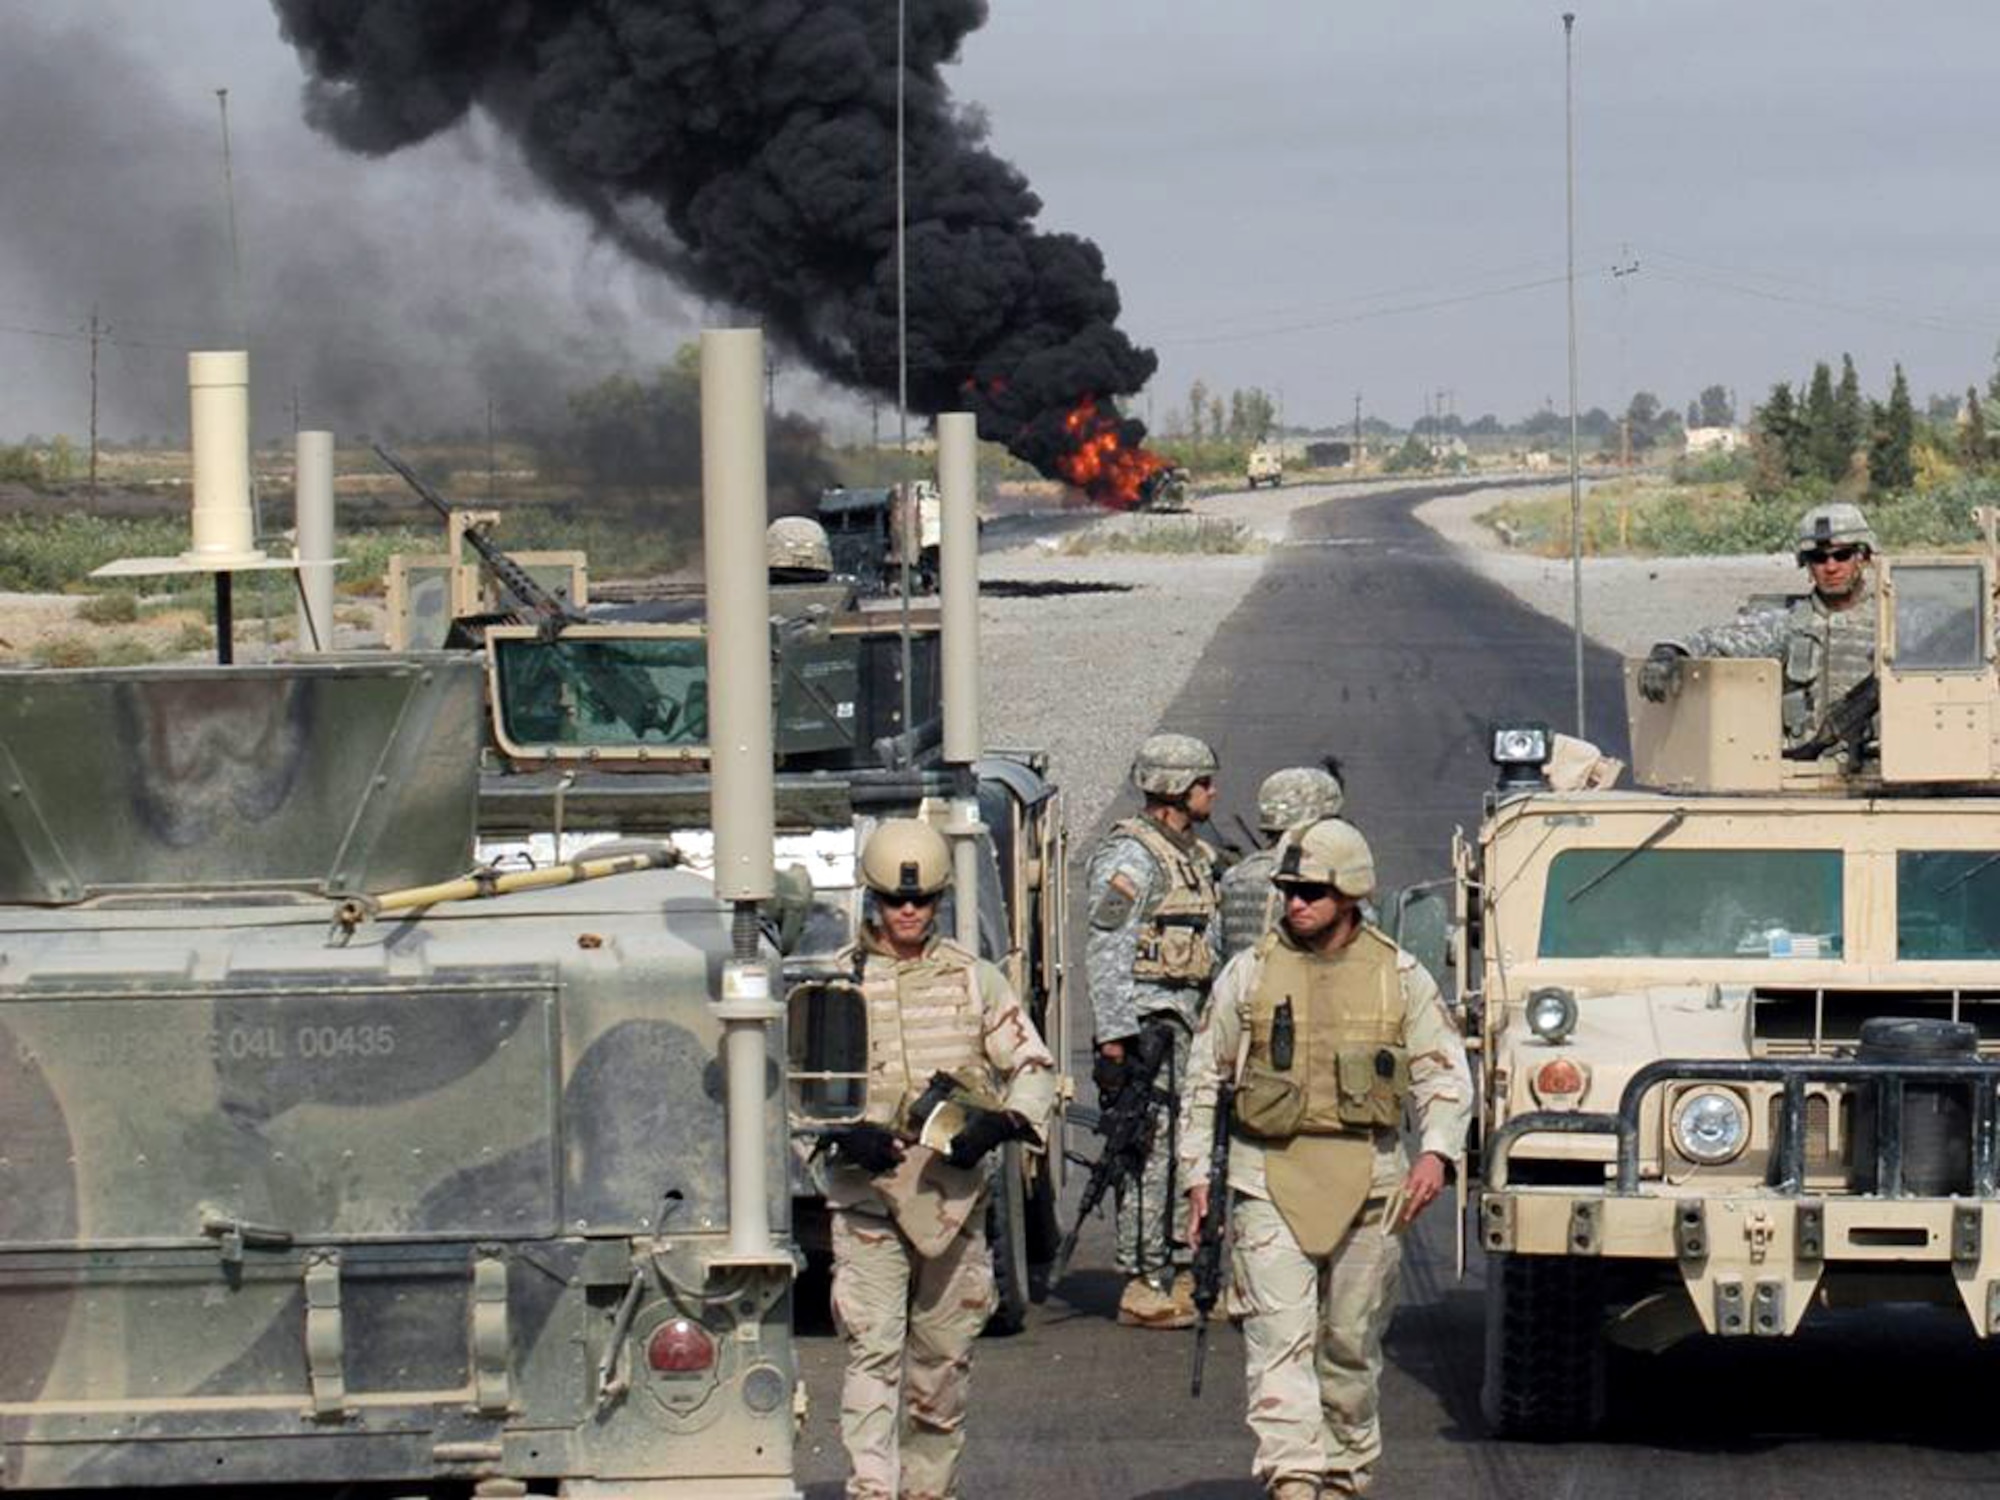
x: 1414, y: 454
x: 1215, y: 428
x: 1821, y: 422
x: 1972, y: 445
x: 1850, y: 418
x: 1260, y: 414
x: 1197, y: 409
x: 1487, y: 426
x: 1596, y: 423
x: 1644, y: 420
x: 1893, y: 438
x: 1716, y: 410
x: 1776, y: 443
x: 1694, y: 414
x: 1239, y: 423
x: 1941, y: 409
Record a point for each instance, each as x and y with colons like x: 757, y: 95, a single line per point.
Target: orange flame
x: 1099, y: 463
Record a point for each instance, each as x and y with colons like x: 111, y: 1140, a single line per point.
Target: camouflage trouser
x: 1152, y: 1211
x: 909, y: 1322
x: 1312, y: 1333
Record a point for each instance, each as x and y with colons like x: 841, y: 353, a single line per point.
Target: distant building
x: 1714, y: 439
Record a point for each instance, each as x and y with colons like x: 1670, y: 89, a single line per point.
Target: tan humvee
x: 1739, y: 1033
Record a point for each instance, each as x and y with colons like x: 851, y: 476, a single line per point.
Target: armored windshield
x: 1939, y: 609
x: 1693, y: 903
x: 1948, y: 903
x: 584, y: 690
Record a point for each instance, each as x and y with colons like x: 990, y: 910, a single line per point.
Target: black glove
x: 985, y: 1129
x: 869, y: 1147
x: 1661, y: 673
x: 1108, y: 1073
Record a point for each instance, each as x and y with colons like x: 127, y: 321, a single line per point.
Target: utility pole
x: 1575, y: 479
x: 96, y: 332
x: 235, y: 245
x: 1357, y: 432
x: 295, y: 411
x: 492, y: 480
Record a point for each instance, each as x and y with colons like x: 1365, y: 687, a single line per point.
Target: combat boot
x: 1295, y: 1489
x: 1183, y: 1295
x: 1144, y: 1305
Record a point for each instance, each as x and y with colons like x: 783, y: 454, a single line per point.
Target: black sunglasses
x: 919, y: 902
x: 1832, y: 554
x: 1307, y: 891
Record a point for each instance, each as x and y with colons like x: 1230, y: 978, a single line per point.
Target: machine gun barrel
x: 542, y: 608
x: 1209, y: 1241
x: 1126, y: 1124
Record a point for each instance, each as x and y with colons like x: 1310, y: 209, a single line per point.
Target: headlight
x: 1711, y: 1126
x: 1551, y: 1014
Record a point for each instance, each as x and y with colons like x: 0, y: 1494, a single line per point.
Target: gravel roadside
x: 1628, y: 602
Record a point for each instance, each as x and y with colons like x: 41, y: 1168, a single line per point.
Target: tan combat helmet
x: 1838, y: 523
x: 1331, y: 852
x: 1295, y: 794
x: 1167, y: 765
x: 796, y: 546
x: 905, y: 857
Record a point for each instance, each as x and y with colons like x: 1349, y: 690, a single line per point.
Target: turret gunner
x: 912, y: 1275
x: 1826, y: 640
x: 1332, y: 1034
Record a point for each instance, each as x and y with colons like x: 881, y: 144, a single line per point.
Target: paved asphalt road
x: 1366, y: 639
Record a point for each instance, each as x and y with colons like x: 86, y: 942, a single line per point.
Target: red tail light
x: 680, y: 1347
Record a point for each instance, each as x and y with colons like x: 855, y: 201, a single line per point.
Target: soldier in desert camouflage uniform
x: 1826, y: 640
x: 1332, y: 1033
x: 912, y: 1275
x: 1152, y: 950
x: 1250, y: 905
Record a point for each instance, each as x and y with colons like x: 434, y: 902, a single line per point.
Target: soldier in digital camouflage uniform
x: 1335, y: 1037
x: 1250, y: 906
x: 1152, y: 950
x: 1824, y: 641
x: 912, y: 1275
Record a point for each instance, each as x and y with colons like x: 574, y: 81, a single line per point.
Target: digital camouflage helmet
x: 1331, y: 852
x: 1295, y: 794
x: 1167, y: 765
x: 797, y: 545
x: 1839, y: 523
x: 905, y: 857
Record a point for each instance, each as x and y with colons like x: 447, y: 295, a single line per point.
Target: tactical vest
x: 1249, y: 902
x: 1173, y: 930
x: 1349, y: 1069
x: 924, y: 1017
x: 1827, y: 654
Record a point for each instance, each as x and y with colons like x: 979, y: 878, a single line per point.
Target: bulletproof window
x: 1947, y: 903
x: 1693, y: 903
x: 586, y: 690
x: 1939, y: 609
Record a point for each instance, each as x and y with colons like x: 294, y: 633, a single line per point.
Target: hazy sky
x: 1311, y: 197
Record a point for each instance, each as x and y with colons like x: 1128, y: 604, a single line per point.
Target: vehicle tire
x: 1007, y: 1237
x: 1545, y: 1347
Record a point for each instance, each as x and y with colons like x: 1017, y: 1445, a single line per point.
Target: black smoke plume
x: 747, y: 147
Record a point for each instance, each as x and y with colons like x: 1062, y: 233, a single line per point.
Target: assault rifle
x: 621, y: 689
x: 1848, y: 724
x: 1214, y: 1227
x: 1127, y: 1127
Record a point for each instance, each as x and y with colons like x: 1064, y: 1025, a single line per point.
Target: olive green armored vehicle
x: 1738, y: 1028
x: 329, y: 1156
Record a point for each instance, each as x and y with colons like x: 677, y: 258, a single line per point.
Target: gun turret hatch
x: 333, y: 777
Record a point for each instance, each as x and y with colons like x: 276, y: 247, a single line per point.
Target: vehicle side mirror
x: 826, y: 1029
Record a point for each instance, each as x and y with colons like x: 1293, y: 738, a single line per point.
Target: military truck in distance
x: 1738, y: 1031
x: 861, y: 529
x: 1266, y: 466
